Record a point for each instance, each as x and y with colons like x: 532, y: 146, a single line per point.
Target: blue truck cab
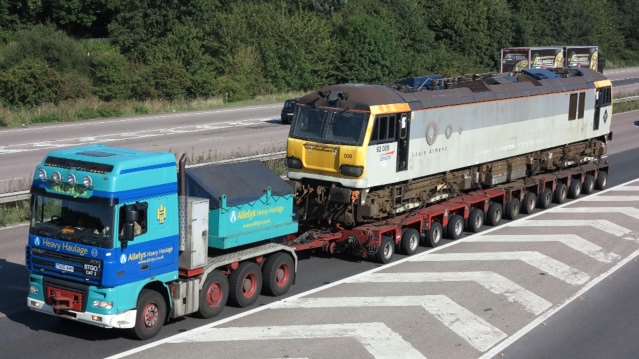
x: 111, y: 241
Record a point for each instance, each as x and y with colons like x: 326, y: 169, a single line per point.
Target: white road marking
x: 626, y: 188
x: 495, y: 351
x: 614, y: 198
x: 570, y: 240
x: 494, y: 282
x: 480, y: 334
x: 378, y: 339
x: 538, y: 260
x: 600, y: 224
x: 628, y: 211
x: 429, y: 252
x: 127, y: 136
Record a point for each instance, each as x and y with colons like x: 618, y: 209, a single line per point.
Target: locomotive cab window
x: 572, y: 109
x: 604, y: 96
x: 385, y: 129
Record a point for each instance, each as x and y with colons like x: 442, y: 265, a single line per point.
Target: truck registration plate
x: 64, y: 267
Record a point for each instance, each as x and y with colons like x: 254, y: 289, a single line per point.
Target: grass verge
x: 12, y: 213
x: 92, y: 108
x: 626, y: 106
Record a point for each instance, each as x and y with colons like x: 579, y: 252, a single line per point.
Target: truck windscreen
x: 72, y: 220
x: 332, y: 127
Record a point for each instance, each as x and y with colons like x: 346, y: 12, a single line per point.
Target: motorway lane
x: 205, y: 135
x: 26, y: 333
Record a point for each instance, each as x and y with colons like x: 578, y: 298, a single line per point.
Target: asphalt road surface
x: 518, y: 296
x: 203, y: 136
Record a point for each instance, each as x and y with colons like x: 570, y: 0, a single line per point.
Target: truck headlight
x: 351, y: 171
x: 293, y: 162
x: 102, y: 304
x: 33, y: 290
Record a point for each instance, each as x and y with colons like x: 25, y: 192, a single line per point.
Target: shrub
x: 111, y: 73
x: 30, y: 83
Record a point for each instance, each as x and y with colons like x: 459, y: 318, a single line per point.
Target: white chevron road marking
x: 628, y: 211
x: 612, y: 198
x: 570, y: 240
x: 600, y: 224
x: 538, y: 260
x: 477, y: 332
x: 378, y: 339
x: 494, y: 282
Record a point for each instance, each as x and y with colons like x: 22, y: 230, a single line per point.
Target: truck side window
x: 140, y: 225
x: 582, y: 104
x: 572, y: 110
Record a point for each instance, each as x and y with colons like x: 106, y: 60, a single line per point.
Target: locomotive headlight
x: 87, y: 182
x: 42, y: 174
x: 351, y: 171
x: 71, y: 180
x: 293, y: 162
x: 56, y: 177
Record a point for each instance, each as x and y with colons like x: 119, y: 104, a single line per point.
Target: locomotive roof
x: 456, y: 91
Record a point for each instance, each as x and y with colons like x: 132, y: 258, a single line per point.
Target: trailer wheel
x: 560, y: 193
x: 434, y: 234
x: 530, y: 200
x: 213, y: 295
x: 574, y: 190
x: 278, y: 273
x: 410, y: 241
x: 495, y: 213
x: 455, y: 227
x: 602, y: 180
x: 512, y: 209
x: 150, y: 316
x: 545, y: 200
x: 475, y: 220
x: 246, y: 284
x: 589, y: 185
x: 386, y: 250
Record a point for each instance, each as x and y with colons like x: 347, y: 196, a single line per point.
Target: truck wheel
x: 512, y: 209
x: 278, y: 273
x: 246, y: 284
x: 386, y: 250
x: 545, y: 200
x: 151, y: 314
x: 530, y: 200
x: 434, y: 234
x: 410, y: 241
x: 475, y: 220
x: 455, y: 227
x: 495, y: 213
x: 602, y: 180
x: 589, y: 185
x: 213, y: 295
x: 574, y: 190
x: 560, y: 193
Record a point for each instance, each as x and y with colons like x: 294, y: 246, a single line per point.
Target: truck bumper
x: 122, y: 320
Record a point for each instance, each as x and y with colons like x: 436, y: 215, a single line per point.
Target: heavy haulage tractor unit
x: 115, y: 244
x: 130, y: 239
x: 362, y: 153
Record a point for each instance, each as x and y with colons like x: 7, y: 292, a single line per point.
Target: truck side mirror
x: 128, y: 227
x: 128, y: 233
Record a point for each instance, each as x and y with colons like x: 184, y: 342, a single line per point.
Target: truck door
x: 403, y: 139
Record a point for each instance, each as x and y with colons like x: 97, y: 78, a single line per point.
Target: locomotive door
x: 403, y: 139
x: 595, y: 124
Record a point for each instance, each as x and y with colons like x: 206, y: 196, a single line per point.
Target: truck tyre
x: 434, y: 234
x: 495, y: 213
x: 386, y: 250
x: 589, y: 185
x: 561, y: 193
x: 410, y: 241
x: 512, y: 209
x: 530, y: 200
x: 213, y: 295
x: 150, y: 316
x: 475, y: 220
x: 602, y: 180
x: 278, y: 273
x: 545, y: 199
x: 246, y: 284
x: 574, y: 190
x: 455, y: 227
